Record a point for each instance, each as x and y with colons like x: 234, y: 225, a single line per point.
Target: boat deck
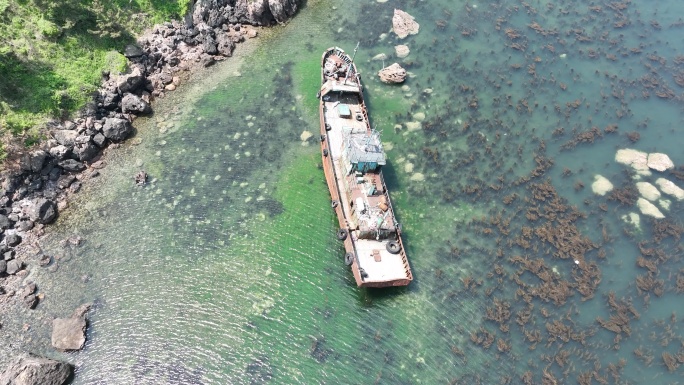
x: 378, y: 263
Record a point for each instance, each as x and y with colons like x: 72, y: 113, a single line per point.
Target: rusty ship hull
x: 352, y: 158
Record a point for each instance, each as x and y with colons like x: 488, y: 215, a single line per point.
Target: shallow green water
x: 225, y: 268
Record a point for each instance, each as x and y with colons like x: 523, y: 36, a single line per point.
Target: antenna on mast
x: 350, y: 64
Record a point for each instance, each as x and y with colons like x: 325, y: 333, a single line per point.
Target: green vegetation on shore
x: 53, y: 53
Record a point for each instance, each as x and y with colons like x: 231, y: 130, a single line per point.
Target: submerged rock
x: 659, y: 162
x: 648, y: 208
x: 404, y: 24
x: 668, y: 187
x: 401, y: 51
x: 392, y: 74
x: 637, y: 159
x: 648, y: 191
x: 305, y: 136
x: 379, y: 57
x: 601, y: 185
x: 632, y: 219
x: 33, y: 370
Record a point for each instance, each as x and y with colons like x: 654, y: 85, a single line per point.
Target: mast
x: 352, y: 62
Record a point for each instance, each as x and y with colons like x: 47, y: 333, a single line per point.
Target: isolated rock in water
x: 637, y: 159
x: 402, y: 51
x: 417, y: 177
x: 670, y: 188
x: 33, y: 370
x: 379, y: 57
x: 648, y: 191
x: 419, y: 116
x: 633, y: 219
x: 404, y: 24
x: 135, y: 104
x: 659, y: 162
x: 392, y: 74
x: 648, y: 208
x: 117, y: 129
x: 305, y: 135
x: 68, y: 333
x: 42, y: 210
x: 413, y: 126
x: 601, y: 185
x: 665, y: 203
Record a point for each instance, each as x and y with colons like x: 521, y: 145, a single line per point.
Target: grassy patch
x: 53, y: 52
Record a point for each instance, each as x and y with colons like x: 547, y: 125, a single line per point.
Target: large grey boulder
x: 33, y: 370
x: 213, y: 13
x: 135, y: 104
x: 85, y: 151
x: 33, y: 161
x: 282, y: 10
x: 225, y: 45
x: 42, y: 210
x: 130, y: 82
x: 209, y: 45
x: 13, y: 267
x: 69, y: 333
x: 71, y: 165
x: 12, y: 239
x: 133, y: 50
x: 65, y: 137
x: 110, y: 99
x: 5, y: 223
x: 255, y: 12
x: 117, y: 129
x: 59, y: 152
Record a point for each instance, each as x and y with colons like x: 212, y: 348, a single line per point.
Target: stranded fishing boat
x: 352, y: 160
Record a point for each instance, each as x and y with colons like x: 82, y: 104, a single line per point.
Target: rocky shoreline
x: 37, y: 184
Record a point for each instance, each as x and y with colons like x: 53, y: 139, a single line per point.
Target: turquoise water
x: 225, y: 268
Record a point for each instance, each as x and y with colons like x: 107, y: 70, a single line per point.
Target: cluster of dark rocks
x: 36, y: 187
x: 37, y: 183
